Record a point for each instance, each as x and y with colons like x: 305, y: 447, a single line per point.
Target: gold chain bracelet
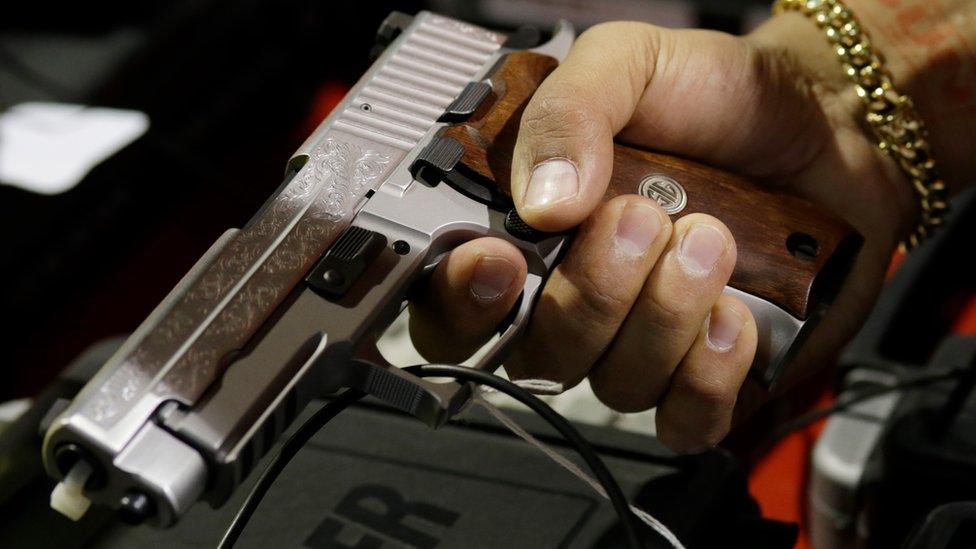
x: 899, y: 129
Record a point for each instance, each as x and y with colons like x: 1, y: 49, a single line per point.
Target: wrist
x: 930, y: 50
x: 880, y: 21
x: 857, y: 157
x: 792, y: 35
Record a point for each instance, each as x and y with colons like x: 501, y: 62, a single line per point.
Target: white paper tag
x: 48, y: 148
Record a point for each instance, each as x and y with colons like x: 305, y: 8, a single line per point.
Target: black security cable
x: 558, y: 422
x: 304, y: 433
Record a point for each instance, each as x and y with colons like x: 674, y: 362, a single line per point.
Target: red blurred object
x: 327, y: 97
x: 779, y: 479
x: 965, y: 323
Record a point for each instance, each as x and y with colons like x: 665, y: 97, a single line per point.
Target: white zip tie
x: 514, y: 427
x: 540, y: 386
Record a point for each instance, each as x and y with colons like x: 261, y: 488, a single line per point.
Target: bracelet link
x: 899, y: 130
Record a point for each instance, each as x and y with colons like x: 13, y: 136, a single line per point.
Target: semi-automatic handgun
x: 414, y: 161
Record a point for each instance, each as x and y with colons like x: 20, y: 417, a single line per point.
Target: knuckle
x: 666, y: 311
x: 596, y: 298
x: 558, y: 115
x: 618, y: 31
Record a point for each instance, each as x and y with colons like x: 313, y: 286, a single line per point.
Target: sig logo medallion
x: 665, y: 191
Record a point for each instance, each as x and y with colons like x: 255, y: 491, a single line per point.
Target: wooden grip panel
x: 790, y: 252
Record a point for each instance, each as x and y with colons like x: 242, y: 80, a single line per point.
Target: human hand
x: 637, y: 303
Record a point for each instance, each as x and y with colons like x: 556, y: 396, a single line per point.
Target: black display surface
x: 375, y: 479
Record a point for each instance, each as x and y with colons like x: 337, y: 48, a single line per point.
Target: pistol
x: 413, y: 162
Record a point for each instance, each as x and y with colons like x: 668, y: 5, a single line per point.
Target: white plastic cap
x: 68, y: 497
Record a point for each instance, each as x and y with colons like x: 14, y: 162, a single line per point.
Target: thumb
x: 709, y: 96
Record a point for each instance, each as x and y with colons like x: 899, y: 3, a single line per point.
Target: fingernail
x: 492, y: 277
x: 639, y: 225
x: 701, y: 248
x: 552, y: 181
x: 724, y: 326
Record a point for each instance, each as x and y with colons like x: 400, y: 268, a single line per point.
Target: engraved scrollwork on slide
x: 247, y: 280
x: 344, y: 171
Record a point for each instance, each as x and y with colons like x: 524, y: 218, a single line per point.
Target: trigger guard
x: 498, y: 350
x: 435, y: 403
